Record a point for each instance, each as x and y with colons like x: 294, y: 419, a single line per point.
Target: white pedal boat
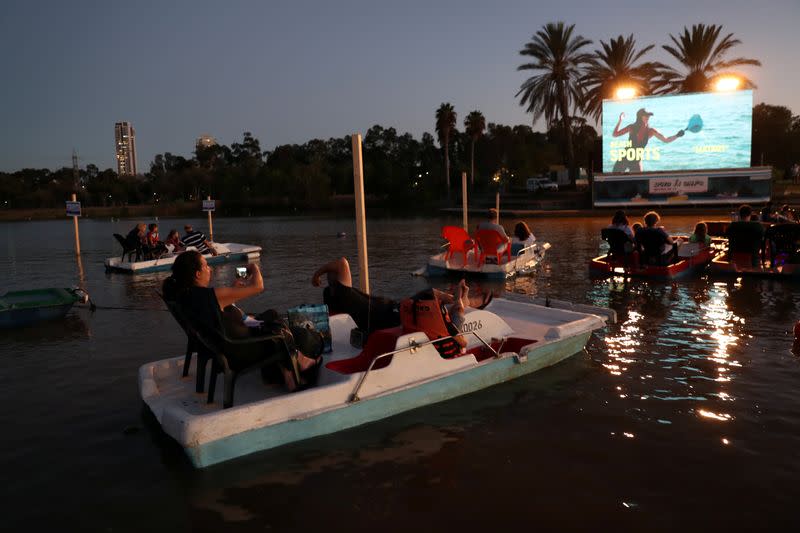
x: 351, y: 391
x: 226, y: 252
x: 521, y: 263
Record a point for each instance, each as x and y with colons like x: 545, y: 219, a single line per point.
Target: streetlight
x: 727, y: 83
x: 624, y: 92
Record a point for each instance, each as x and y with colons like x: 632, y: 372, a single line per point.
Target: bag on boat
x: 314, y: 317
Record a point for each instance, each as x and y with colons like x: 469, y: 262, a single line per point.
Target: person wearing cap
x: 198, y: 240
x: 639, y: 133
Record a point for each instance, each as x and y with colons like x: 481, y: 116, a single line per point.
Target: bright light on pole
x: 624, y: 93
x: 727, y: 83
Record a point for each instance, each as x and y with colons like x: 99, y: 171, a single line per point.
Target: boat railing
x: 412, y: 347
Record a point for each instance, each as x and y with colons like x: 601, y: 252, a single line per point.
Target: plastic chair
x: 489, y: 241
x: 620, y: 245
x: 126, y: 249
x: 230, y: 357
x: 459, y: 241
x: 192, y: 346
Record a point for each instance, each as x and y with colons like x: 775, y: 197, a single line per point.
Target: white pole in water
x: 464, y: 199
x: 77, y: 234
x: 210, y: 225
x: 497, y: 206
x: 361, y: 224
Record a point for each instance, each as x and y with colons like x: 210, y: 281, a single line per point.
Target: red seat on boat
x: 489, y: 241
x: 459, y: 241
x: 380, y: 341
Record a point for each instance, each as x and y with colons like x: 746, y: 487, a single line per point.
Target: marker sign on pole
x: 73, y: 209
x: 209, y: 205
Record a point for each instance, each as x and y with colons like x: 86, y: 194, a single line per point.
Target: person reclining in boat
x: 745, y: 236
x: 370, y: 312
x: 188, y: 286
x: 522, y: 238
x: 700, y: 234
x: 657, y: 247
x: 198, y: 240
x: 493, y: 223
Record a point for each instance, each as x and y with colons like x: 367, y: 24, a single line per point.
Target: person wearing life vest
x: 371, y: 312
x: 426, y: 311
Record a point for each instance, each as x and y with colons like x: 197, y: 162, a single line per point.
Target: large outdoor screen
x: 680, y: 132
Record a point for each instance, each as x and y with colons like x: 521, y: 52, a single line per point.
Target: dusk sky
x: 293, y: 71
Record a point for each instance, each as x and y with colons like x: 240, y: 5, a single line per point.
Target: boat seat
x: 511, y: 344
x: 620, y: 244
x: 379, y: 342
x: 489, y: 242
x: 458, y: 240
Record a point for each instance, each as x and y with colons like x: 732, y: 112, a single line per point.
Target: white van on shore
x: 540, y: 184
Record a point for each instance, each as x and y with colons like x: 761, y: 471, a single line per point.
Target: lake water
x: 682, y: 416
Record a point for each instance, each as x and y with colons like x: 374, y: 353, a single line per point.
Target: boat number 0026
x: 471, y: 326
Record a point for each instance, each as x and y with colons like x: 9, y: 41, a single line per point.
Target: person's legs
x: 337, y: 271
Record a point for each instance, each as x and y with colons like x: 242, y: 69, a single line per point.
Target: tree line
x: 566, y: 89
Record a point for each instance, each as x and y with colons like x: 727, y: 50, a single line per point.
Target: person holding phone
x: 188, y: 286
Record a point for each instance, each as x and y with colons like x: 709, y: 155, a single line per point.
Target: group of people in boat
x: 145, y: 239
x: 437, y: 313
x: 747, y: 235
x: 652, y: 242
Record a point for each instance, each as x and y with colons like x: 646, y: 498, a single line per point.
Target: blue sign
x: 73, y: 209
x: 678, y: 132
x: 209, y: 205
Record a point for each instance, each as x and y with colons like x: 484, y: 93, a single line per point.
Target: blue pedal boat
x: 23, y: 308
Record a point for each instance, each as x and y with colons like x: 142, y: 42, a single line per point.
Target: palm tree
x: 701, y: 54
x: 474, y: 125
x: 445, y: 125
x: 555, y: 88
x: 613, y: 66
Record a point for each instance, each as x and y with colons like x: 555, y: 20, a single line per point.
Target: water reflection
x: 676, y: 344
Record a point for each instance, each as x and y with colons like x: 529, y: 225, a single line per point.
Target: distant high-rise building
x: 205, y: 141
x: 125, y: 138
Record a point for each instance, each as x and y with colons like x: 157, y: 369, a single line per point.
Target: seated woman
x: 137, y: 238
x: 701, y: 234
x: 620, y: 221
x: 154, y: 244
x: 189, y: 288
x: 173, y: 243
x: 522, y: 238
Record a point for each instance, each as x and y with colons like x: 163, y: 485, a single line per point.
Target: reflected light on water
x: 723, y: 417
x: 625, y: 343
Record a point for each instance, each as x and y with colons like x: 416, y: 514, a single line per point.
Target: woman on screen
x: 639, y: 134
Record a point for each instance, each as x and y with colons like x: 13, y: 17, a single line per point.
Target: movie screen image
x: 678, y: 132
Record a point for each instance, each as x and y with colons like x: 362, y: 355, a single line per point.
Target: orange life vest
x: 424, y: 312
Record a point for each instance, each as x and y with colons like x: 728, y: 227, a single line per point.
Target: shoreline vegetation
x: 402, y: 172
